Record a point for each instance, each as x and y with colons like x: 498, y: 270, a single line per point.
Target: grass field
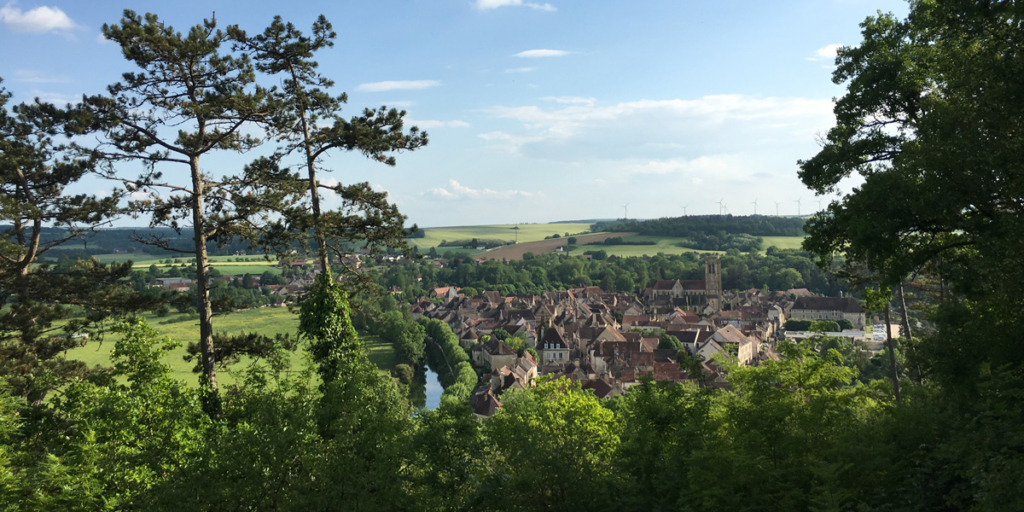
x: 527, y: 233
x: 225, y: 264
x: 268, y: 321
x: 783, y: 242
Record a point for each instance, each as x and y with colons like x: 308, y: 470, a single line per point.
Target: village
x: 611, y: 341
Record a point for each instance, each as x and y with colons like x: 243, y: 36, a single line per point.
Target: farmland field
x: 225, y: 264
x: 516, y: 252
x: 268, y: 321
x: 527, y: 233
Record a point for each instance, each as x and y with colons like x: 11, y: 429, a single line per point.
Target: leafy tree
x: 669, y: 342
x: 563, y: 439
x: 928, y: 121
x: 310, y: 125
x: 210, y: 96
x: 50, y: 309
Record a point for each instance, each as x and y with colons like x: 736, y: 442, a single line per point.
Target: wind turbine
x: 776, y: 208
x: 725, y: 207
x: 625, y: 211
x: 798, y: 206
x: 819, y: 205
x: 719, y: 202
x: 755, y: 206
x: 684, y: 210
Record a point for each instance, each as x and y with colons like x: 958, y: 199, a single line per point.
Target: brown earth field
x: 516, y: 252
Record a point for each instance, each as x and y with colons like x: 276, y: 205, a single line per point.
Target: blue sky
x: 537, y: 111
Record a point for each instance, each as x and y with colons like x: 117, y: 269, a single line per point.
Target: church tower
x: 713, y: 281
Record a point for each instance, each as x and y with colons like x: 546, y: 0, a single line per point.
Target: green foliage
x: 777, y: 269
x: 669, y: 342
x: 824, y: 326
x: 927, y: 121
x: 325, y: 323
x: 551, y: 447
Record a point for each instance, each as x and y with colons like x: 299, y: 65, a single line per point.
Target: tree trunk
x: 892, y: 357
x: 314, y: 194
x: 203, y: 279
x: 903, y: 307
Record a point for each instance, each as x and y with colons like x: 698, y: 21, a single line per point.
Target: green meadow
x: 179, y: 327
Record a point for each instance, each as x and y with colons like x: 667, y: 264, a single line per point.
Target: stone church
x: 700, y: 296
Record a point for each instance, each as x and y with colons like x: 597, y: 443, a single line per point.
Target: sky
x: 536, y: 111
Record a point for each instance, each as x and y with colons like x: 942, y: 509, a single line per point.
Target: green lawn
x: 268, y: 321
x: 527, y: 233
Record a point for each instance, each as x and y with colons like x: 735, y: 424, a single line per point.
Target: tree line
x: 697, y: 225
x: 778, y: 269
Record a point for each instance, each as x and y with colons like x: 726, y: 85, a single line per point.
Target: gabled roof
x: 498, y: 348
x: 694, y: 285
x: 665, y: 285
x: 553, y: 340
x: 844, y: 304
x: 731, y: 334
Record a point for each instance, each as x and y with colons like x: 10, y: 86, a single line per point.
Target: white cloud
x: 541, y: 53
x: 575, y: 100
x: 31, y: 76
x: 40, y: 19
x: 102, y: 39
x: 826, y: 53
x: 456, y: 190
x: 710, y: 110
x: 428, y: 124
x: 519, y: 70
x: 392, y: 85
x: 55, y: 98
x: 720, y: 166
x: 484, y: 5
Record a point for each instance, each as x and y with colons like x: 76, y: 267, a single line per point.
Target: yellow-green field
x: 268, y: 321
x: 527, y: 233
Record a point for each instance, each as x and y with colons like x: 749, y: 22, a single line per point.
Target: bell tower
x: 713, y: 281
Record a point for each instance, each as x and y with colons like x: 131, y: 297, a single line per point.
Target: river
x: 425, y: 390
